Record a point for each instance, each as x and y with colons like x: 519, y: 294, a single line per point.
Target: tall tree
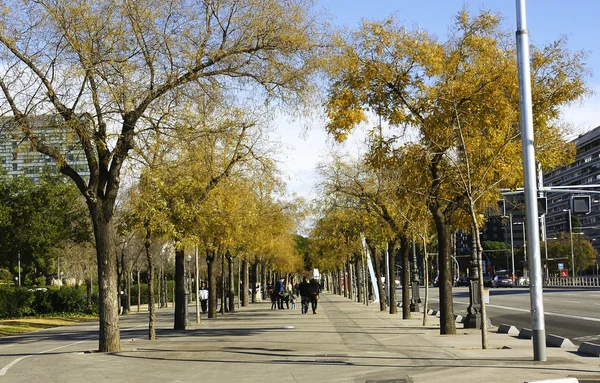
x: 101, y: 66
x: 415, y: 82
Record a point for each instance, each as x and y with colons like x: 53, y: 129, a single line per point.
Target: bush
x: 16, y: 303
x: 19, y: 302
x: 68, y: 300
x: 41, y: 302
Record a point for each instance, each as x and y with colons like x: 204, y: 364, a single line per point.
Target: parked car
x: 462, y: 281
x: 502, y: 281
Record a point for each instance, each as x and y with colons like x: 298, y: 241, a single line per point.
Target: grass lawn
x: 18, y: 326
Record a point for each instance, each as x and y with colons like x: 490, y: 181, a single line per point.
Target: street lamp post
x: 512, y: 247
x: 19, y: 262
x: 571, y: 240
x: 524, y: 248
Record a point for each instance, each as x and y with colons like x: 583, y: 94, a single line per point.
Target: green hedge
x: 20, y: 302
x: 23, y: 301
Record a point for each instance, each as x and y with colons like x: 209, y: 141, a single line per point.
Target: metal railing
x: 586, y: 281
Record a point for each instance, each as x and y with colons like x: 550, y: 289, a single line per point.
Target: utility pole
x: 19, y: 266
x: 527, y: 138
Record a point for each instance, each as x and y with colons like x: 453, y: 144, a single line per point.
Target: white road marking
x: 573, y: 301
x: 5, y: 369
x: 528, y: 311
x: 8, y: 366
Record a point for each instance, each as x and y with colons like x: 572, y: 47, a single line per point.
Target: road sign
x: 564, y: 273
x: 561, y: 266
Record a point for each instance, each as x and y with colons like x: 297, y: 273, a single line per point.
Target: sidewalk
x: 344, y: 342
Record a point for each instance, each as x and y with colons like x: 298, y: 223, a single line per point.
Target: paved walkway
x: 344, y: 342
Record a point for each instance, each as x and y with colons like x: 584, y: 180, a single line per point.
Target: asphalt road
x: 569, y: 312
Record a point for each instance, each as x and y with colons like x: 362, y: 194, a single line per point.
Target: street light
x: 546, y: 251
x: 571, y: 240
x: 512, y: 247
x: 524, y: 247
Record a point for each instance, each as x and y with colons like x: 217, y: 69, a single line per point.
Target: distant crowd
x: 282, y: 294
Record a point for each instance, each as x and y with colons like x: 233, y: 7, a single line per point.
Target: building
x: 18, y: 158
x: 584, y: 171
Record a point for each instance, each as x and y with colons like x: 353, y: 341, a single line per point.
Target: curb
x: 526, y: 333
x: 508, y: 329
x: 590, y: 349
x: 558, y: 341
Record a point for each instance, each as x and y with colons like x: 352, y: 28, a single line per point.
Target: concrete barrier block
x: 588, y: 348
x: 430, y: 312
x: 526, y: 333
x: 508, y: 329
x: 437, y: 314
x: 458, y: 318
x: 558, y: 341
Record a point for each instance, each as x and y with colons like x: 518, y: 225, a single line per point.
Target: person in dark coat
x: 313, y: 289
x: 304, y: 291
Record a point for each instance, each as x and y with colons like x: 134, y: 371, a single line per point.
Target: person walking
x: 203, y: 295
x: 314, y: 289
x: 304, y: 290
x: 279, y: 290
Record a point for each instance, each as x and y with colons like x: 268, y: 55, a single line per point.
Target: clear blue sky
x: 547, y: 20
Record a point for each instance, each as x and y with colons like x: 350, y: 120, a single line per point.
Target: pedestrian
x: 313, y: 288
x: 279, y: 290
x: 304, y: 290
x: 203, y: 295
x: 293, y: 301
x: 274, y: 299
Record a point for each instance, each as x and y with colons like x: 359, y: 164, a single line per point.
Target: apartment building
x: 18, y: 158
x: 584, y: 171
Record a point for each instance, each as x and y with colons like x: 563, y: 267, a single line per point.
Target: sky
x: 547, y: 20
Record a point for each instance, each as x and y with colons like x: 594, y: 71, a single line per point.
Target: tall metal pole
x: 512, y: 247
x: 197, y: 284
x: 571, y: 240
x: 388, y: 282
x: 524, y: 252
x: 19, y: 262
x: 547, y: 276
x: 535, y: 287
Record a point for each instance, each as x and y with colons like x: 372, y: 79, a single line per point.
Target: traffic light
x: 581, y: 204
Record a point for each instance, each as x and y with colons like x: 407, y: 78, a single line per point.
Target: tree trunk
x: 244, y: 295
x: 180, y: 298
x: 447, y: 324
x: 212, y: 283
x: 392, y: 282
x: 128, y: 289
x: 382, y: 306
x: 88, y: 285
x: 404, y: 256
x: 222, y: 286
x: 109, y: 338
x: 263, y: 281
x: 350, y: 279
x: 344, y: 280
x: 231, y: 288
x: 253, y: 280
x: 359, y: 282
x: 139, y: 291
x: 151, y: 310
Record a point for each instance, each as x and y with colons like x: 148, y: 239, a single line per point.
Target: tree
x: 38, y: 221
x: 101, y: 67
x: 462, y: 98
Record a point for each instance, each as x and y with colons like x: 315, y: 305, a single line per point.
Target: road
x: 570, y: 312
